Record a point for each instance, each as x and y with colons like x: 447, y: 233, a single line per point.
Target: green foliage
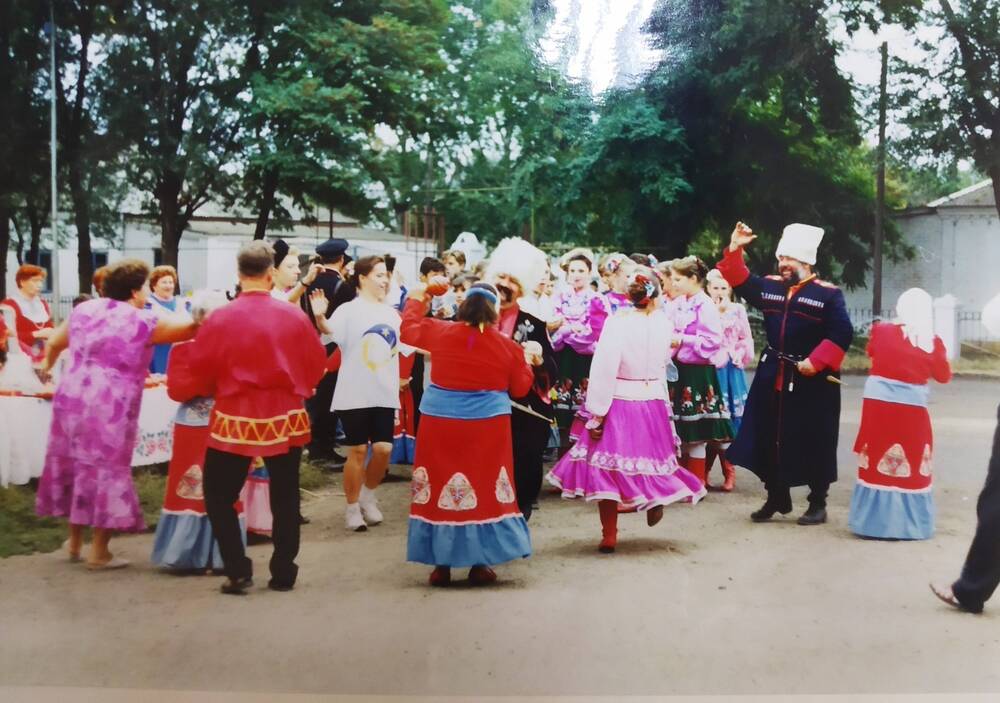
x: 950, y: 101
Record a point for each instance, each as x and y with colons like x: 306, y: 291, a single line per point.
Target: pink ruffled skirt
x: 634, y: 463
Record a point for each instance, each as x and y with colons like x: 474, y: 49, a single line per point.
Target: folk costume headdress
x: 800, y: 242
x: 576, y: 254
x: 519, y: 260
x: 915, y: 313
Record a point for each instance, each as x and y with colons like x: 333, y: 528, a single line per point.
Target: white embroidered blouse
x: 630, y: 361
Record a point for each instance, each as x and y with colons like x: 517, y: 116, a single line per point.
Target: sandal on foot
x: 74, y: 557
x: 946, y: 595
x: 112, y: 563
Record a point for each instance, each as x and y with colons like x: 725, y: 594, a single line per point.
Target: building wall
x: 956, y: 252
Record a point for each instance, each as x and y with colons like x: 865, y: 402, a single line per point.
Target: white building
x: 207, y: 251
x: 957, y: 252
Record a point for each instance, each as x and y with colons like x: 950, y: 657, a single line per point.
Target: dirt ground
x: 706, y: 602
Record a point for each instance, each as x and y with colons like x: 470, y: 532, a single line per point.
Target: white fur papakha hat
x: 579, y: 251
x: 519, y: 260
x: 800, y: 242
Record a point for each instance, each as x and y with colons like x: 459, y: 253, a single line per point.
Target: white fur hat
x: 991, y: 315
x: 800, y: 242
x: 519, y: 260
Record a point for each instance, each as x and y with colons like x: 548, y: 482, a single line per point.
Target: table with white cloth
x: 24, y: 433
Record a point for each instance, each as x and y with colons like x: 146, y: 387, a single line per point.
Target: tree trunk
x: 81, y: 216
x: 19, y: 252
x: 268, y: 188
x: 4, y: 245
x: 167, y: 191
x: 35, y: 245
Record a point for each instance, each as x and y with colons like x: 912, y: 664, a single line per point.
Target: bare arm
x: 173, y: 328
x: 57, y: 342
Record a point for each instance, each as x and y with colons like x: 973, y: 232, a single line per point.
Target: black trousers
x: 322, y: 420
x: 224, y: 476
x: 530, y: 437
x: 818, y: 491
x: 981, y: 573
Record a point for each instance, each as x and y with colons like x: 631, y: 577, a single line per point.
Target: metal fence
x: 60, y: 309
x: 971, y: 328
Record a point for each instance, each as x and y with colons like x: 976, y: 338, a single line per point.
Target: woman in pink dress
x: 628, y: 456
x: 580, y: 312
x: 95, y: 412
x: 737, y: 352
x: 700, y: 411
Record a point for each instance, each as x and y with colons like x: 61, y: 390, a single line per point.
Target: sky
x: 601, y: 20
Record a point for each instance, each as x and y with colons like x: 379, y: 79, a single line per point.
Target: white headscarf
x: 915, y: 312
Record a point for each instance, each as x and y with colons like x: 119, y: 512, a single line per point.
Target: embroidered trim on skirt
x: 634, y: 463
x: 699, y: 406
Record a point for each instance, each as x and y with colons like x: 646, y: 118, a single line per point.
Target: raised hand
x: 319, y: 303
x: 742, y: 236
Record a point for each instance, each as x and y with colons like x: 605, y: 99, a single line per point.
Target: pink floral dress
x: 95, y: 412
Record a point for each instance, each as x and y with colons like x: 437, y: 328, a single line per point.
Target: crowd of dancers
x: 628, y: 372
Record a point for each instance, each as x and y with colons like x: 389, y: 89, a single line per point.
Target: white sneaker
x: 353, y: 519
x: 369, y: 506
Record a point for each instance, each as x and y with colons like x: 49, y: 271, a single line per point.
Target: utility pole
x: 880, y: 194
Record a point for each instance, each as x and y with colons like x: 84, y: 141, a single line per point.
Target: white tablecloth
x: 24, y: 434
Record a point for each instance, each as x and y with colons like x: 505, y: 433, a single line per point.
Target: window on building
x: 99, y: 259
x: 157, y: 257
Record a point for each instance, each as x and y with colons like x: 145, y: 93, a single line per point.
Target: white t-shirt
x: 368, y: 336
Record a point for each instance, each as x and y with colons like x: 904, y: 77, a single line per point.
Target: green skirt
x: 700, y: 412
x: 570, y: 393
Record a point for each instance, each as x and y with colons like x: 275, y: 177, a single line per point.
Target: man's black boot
x: 775, y: 503
x: 815, y: 515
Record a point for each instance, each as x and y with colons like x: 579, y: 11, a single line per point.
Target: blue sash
x: 464, y: 405
x: 892, y: 391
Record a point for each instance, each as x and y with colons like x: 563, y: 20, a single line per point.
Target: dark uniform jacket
x: 529, y: 328
x: 791, y: 422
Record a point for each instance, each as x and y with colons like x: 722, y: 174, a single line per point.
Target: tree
x: 173, y: 76
x: 321, y: 76
x: 951, y: 102
x: 23, y: 59
x: 770, y: 127
x: 497, y: 124
x: 89, y: 152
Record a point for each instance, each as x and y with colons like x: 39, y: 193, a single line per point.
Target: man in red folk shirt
x: 263, y: 359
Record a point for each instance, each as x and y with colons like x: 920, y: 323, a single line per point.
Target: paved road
x: 704, y: 603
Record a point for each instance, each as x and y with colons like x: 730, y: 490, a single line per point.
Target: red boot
x: 711, y: 452
x: 729, y: 471
x: 697, y: 467
x: 609, y: 526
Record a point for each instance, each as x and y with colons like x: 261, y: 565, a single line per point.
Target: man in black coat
x: 791, y: 421
x: 515, y: 268
x: 981, y: 572
x: 332, y: 256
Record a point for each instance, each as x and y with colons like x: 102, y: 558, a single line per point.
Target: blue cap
x: 332, y: 248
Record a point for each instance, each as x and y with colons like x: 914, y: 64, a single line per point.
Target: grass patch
x: 24, y: 532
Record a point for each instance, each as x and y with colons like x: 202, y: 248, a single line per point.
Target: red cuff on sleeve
x: 827, y: 356
x: 733, y: 268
